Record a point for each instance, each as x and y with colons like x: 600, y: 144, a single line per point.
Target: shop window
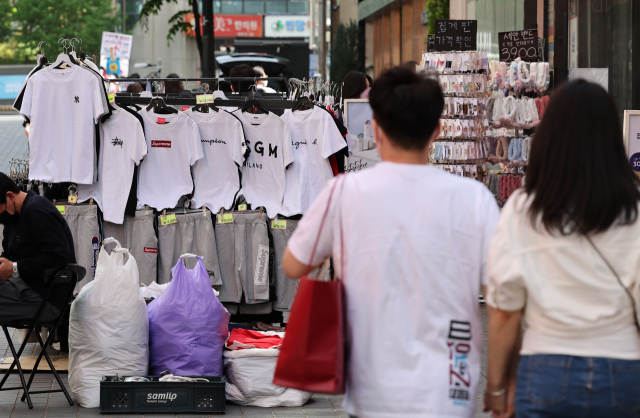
x: 276, y: 7
x: 252, y: 7
x: 231, y: 7
x: 298, y: 7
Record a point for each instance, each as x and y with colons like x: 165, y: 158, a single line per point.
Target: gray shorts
x: 286, y: 288
x: 85, y: 229
x: 243, y: 251
x: 192, y: 233
x: 139, y: 237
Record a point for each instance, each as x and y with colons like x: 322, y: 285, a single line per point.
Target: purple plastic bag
x: 188, y: 325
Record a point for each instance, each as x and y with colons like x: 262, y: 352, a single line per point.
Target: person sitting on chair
x: 36, y: 238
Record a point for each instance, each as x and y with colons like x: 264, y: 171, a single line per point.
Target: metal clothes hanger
x: 159, y: 105
x: 63, y: 59
x: 204, y: 108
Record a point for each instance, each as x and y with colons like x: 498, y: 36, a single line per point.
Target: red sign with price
x: 230, y: 26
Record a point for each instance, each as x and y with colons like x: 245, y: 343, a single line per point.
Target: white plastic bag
x: 249, y: 375
x: 108, y: 327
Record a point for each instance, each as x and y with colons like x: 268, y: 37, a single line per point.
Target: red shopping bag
x: 312, y: 356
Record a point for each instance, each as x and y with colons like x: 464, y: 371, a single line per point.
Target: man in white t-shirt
x: 412, y: 262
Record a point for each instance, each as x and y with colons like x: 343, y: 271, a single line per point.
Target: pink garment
x: 365, y: 94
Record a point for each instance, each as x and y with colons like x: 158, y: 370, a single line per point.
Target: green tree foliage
x: 6, y: 11
x: 347, y: 52
x: 436, y: 10
x: 50, y: 20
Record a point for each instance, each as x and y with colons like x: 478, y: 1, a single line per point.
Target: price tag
x: 168, y: 219
x: 242, y: 207
x: 73, y: 199
x: 227, y: 218
x: 185, y: 108
x: 112, y: 97
x: 278, y: 224
x: 204, y: 98
x: 61, y: 209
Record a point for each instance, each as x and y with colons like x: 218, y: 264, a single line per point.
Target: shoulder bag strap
x: 633, y: 303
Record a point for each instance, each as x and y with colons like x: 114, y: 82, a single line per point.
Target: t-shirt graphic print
x: 263, y: 173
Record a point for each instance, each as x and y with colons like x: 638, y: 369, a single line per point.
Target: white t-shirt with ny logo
x: 122, y: 147
x: 314, y: 137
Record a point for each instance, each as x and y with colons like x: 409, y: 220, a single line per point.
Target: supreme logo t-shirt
x: 173, y: 146
x: 217, y: 175
x: 314, y: 137
x: 263, y: 173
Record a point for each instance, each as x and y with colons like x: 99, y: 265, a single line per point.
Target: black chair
x: 69, y: 275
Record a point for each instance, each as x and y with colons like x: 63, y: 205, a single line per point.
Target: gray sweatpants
x: 243, y: 251
x: 192, y: 233
x: 137, y: 235
x: 19, y: 301
x: 286, y: 288
x: 83, y: 223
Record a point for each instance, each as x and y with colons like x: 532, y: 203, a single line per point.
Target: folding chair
x: 69, y: 275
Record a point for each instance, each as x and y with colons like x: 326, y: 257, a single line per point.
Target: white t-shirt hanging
x: 122, y: 146
x: 217, y: 175
x: 314, y: 137
x: 415, y: 246
x: 63, y: 106
x: 263, y: 173
x: 172, y: 148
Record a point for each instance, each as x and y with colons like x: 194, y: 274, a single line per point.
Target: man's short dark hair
x: 243, y: 70
x: 407, y: 106
x: 7, y: 185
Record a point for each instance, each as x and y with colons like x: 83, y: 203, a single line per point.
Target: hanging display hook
x: 40, y: 47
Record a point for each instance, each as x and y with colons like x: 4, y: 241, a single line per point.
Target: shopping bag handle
x: 324, y: 218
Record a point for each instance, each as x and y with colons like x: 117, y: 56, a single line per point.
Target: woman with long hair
x: 566, y: 258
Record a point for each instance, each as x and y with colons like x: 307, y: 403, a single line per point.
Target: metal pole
x: 208, y: 60
x: 322, y: 39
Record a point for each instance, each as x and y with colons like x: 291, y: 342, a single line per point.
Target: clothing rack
x: 135, y: 80
x: 129, y: 99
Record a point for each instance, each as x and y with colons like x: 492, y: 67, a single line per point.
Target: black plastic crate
x: 163, y: 397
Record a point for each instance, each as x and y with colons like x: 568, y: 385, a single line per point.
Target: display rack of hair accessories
x: 489, y: 118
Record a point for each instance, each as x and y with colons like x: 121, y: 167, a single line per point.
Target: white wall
x: 180, y: 56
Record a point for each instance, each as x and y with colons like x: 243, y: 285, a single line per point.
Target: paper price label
x: 242, y: 207
x: 73, y: 199
x: 204, y: 98
x: 61, y: 209
x: 227, y: 218
x: 112, y: 97
x: 168, y: 219
x: 278, y: 224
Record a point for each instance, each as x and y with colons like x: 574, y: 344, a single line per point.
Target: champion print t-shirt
x: 172, y: 148
x: 415, y: 242
x: 63, y: 107
x: 217, y: 175
x: 314, y: 137
x: 122, y: 147
x: 263, y: 173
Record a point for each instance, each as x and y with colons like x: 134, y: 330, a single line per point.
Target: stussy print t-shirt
x: 173, y: 146
x: 263, y: 173
x: 217, y: 175
x: 63, y: 106
x: 122, y: 147
x: 314, y: 137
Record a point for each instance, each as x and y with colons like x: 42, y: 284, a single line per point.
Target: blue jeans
x: 553, y: 386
